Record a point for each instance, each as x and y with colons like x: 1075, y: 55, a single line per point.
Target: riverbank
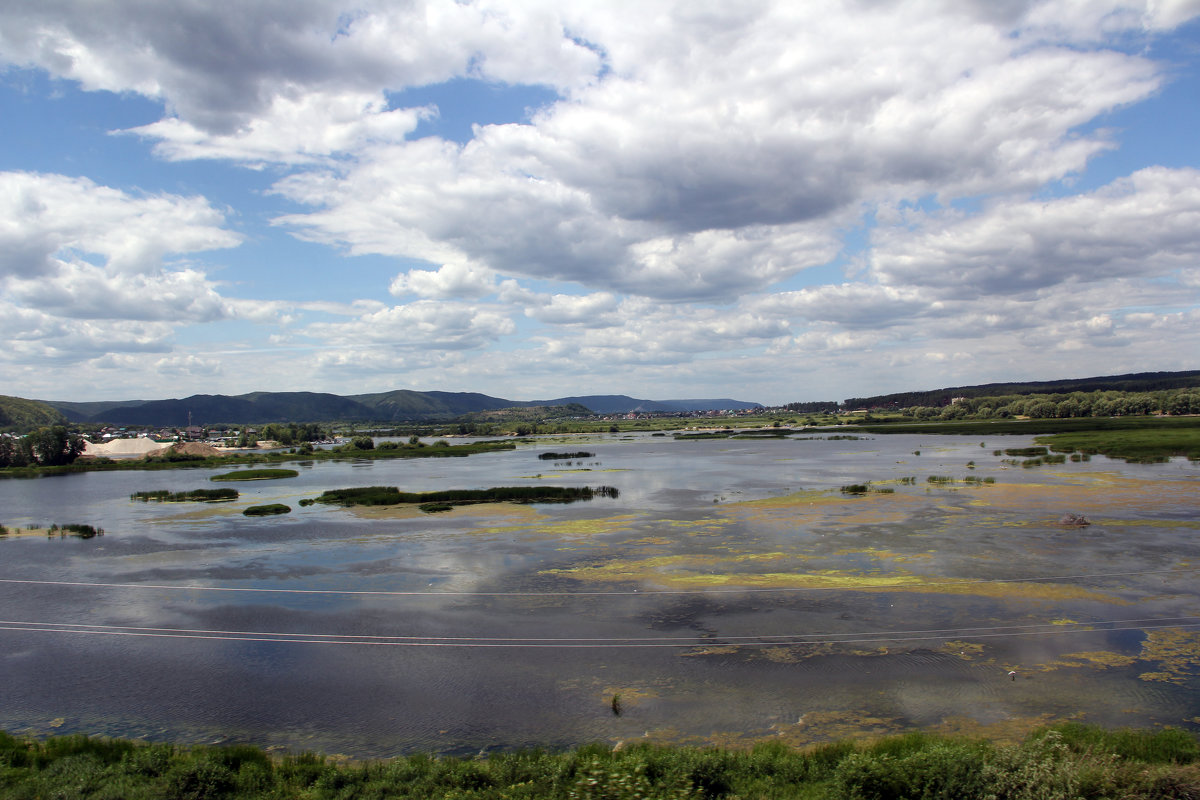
x: 176, y: 460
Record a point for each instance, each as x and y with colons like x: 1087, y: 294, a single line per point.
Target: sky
x: 772, y: 201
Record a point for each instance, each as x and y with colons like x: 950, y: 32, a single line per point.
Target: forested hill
x: 1134, y: 382
x: 623, y: 404
x: 22, y: 415
x: 402, y: 405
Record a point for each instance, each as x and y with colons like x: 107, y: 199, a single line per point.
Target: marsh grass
x: 1025, y: 452
x: 1146, y: 445
x: 1065, y: 761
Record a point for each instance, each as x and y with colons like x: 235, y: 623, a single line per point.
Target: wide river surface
x: 730, y: 593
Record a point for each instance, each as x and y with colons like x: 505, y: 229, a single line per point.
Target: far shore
x: 19, y: 531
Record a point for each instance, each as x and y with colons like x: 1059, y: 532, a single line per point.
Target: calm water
x: 731, y: 593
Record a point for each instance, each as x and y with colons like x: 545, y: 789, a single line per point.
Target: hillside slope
x: 1133, y: 382
x: 22, y: 415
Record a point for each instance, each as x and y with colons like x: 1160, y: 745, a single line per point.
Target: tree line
x: 48, y: 447
x: 1064, y: 406
x: 1133, y: 383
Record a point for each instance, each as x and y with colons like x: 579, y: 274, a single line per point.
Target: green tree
x: 14, y: 452
x: 55, y: 445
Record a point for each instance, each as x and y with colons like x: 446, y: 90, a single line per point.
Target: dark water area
x: 730, y: 593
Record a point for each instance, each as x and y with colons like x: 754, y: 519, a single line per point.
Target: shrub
x: 199, y: 780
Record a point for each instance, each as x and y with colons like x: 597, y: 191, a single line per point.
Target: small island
x: 192, y: 496
x: 255, y: 475
x: 431, y: 502
x: 268, y: 510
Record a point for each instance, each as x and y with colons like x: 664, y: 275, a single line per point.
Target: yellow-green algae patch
x: 886, y: 555
x: 710, y: 650
x: 686, y: 572
x: 541, y: 525
x: 1177, y: 651
x: 807, y: 507
x: 508, y: 511
x: 822, y: 726
x: 1095, y: 658
x: 1092, y: 494
x: 1010, y: 731
x: 964, y: 650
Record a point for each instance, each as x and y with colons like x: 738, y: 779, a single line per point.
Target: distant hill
x: 1134, y: 382
x: 405, y: 405
x: 22, y: 415
x: 206, y: 409
x: 402, y: 405
x: 623, y: 404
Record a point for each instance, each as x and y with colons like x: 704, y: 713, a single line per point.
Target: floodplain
x: 729, y: 593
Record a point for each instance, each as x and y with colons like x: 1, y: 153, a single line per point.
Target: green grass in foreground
x: 1067, y: 761
x: 255, y: 475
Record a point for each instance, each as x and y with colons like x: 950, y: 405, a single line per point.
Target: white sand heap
x: 123, y: 448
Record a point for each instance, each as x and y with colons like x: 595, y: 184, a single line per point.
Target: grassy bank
x: 1146, y: 445
x: 1141, y: 439
x: 1068, y: 761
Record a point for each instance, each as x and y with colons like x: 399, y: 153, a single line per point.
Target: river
x: 730, y: 593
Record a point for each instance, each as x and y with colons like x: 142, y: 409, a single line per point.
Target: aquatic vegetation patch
x: 1093, y: 495
x: 1025, y: 452
x: 255, y: 475
x: 1147, y: 445
x: 268, y: 510
x: 565, y: 456
x: 819, y: 725
x: 391, y: 495
x: 688, y: 572
x: 964, y: 650
x: 882, y: 554
x: 193, y: 495
x: 1095, y: 658
x: 1176, y: 650
x: 61, y: 531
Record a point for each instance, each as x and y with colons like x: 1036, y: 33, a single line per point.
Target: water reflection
x: 730, y: 593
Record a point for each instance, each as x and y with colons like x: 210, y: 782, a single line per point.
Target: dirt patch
x: 188, y: 449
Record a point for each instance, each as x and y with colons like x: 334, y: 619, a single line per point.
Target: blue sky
x: 769, y: 201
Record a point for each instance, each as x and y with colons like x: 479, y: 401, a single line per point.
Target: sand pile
x: 123, y: 448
